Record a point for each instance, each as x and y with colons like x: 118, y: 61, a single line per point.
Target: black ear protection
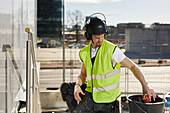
x: 87, y: 35
x: 88, y: 27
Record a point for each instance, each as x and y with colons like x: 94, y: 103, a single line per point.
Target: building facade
x: 49, y: 21
x: 147, y: 41
x: 123, y: 26
x: 160, y: 26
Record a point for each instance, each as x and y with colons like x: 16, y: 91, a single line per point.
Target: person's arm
x: 139, y: 75
x: 80, y: 80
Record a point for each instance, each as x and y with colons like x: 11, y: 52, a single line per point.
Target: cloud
x: 92, y: 1
x: 116, y: 0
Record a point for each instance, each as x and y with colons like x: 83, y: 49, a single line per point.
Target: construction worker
x: 101, y: 69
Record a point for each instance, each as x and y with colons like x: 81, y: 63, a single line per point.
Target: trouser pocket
x: 102, y: 107
x: 115, y: 107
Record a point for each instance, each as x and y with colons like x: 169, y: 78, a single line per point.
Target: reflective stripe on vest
x: 101, y: 77
x: 108, y: 88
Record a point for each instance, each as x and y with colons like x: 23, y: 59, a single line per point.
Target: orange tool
x: 146, y: 99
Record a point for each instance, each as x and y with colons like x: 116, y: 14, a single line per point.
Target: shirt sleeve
x: 118, y: 55
x: 80, y: 58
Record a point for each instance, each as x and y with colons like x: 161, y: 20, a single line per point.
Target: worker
x: 100, y: 68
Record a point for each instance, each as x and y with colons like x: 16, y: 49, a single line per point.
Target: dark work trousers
x: 87, y: 105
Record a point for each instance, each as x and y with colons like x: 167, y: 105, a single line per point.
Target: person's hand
x: 149, y: 91
x: 77, y: 90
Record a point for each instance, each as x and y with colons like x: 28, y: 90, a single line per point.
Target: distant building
x: 111, y: 29
x: 152, y: 40
x: 117, y: 34
x: 70, y: 36
x: 123, y: 26
x: 76, y: 27
x: 160, y: 26
x: 49, y: 21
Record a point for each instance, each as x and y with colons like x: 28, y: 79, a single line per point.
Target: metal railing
x: 156, y: 76
x: 13, y: 81
x: 32, y: 78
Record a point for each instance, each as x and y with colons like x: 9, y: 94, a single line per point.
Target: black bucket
x: 137, y: 105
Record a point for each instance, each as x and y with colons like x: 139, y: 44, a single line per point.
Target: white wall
x: 147, y: 40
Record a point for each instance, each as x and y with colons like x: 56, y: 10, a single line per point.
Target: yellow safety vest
x: 102, y: 78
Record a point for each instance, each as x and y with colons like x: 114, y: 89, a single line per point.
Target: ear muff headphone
x: 88, y: 27
x: 87, y: 35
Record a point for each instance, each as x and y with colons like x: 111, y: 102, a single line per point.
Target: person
x: 100, y: 68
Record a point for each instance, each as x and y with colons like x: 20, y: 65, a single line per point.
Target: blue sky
x: 123, y: 11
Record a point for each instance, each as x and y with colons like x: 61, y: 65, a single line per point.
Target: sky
x: 124, y: 11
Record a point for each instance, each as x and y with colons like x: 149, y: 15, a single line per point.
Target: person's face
x: 97, y: 39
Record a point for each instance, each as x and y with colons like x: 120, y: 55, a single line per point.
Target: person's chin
x: 99, y: 45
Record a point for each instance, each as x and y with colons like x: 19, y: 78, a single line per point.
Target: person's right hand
x: 77, y: 90
x: 147, y: 90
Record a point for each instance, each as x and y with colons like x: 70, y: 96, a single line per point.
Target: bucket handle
x: 140, y: 108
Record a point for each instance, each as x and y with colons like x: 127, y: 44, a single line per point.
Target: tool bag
x: 67, y: 92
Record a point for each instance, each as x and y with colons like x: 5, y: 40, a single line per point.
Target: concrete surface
x: 51, y: 99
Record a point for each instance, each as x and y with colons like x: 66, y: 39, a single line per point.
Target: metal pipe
x: 125, y: 80
x: 15, y: 67
x: 32, y: 78
x: 33, y: 90
x: 33, y: 57
x: 63, y: 46
x: 6, y: 72
x: 28, y: 77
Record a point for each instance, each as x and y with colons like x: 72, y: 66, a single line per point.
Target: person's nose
x: 100, y: 40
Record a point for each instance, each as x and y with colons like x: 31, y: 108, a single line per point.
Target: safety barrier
x: 32, y: 77
x: 18, y: 91
x: 14, y: 89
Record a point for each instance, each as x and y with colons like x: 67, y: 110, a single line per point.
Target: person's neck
x: 93, y: 46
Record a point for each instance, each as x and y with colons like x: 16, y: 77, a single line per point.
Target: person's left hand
x: 149, y: 91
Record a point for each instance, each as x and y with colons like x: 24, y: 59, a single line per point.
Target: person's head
x: 94, y: 29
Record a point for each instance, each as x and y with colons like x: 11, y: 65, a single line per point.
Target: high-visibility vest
x: 102, y: 78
